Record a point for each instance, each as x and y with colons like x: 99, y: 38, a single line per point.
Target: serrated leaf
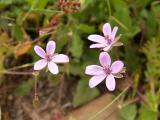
x: 84, y: 93
x: 128, y: 112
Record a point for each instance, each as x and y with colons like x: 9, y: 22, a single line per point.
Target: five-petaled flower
x: 49, y: 58
x: 107, y: 71
x: 105, y: 42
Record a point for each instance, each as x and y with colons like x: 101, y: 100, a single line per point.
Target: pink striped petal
x: 50, y: 48
x: 60, y: 58
x: 115, y: 29
x: 107, y: 29
x: 94, y: 70
x: 95, y: 80
x: 110, y: 83
x: 105, y: 59
x: 117, y: 66
x: 40, y: 64
x: 39, y: 51
x: 53, y: 68
x: 97, y: 38
x: 97, y: 46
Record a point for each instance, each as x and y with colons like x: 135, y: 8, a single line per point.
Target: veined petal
x: 105, y: 59
x: 50, y: 48
x: 94, y: 70
x: 107, y: 48
x: 95, y: 80
x: 97, y: 38
x: 40, y: 64
x: 97, y: 45
x: 117, y: 66
x: 53, y: 68
x: 113, y: 34
x: 39, y: 51
x: 110, y: 82
x: 60, y: 58
x: 107, y: 29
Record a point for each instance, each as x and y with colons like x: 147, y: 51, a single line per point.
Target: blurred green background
x: 24, y: 23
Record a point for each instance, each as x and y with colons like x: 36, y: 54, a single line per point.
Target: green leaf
x: 40, y: 4
x: 76, y: 68
x: 17, y: 32
x: 24, y: 88
x: 129, y: 56
x: 84, y: 93
x: 128, y: 112
x: 86, y: 28
x: 143, y: 3
x: 77, y: 46
x: 5, y: 3
x: 147, y: 114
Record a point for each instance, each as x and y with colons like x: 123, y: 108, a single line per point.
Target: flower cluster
x: 106, y: 70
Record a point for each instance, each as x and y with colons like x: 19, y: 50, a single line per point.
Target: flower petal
x: 95, y: 80
x: 107, y: 29
x: 107, y: 48
x: 110, y: 83
x: 50, y: 48
x: 53, y: 68
x: 40, y: 64
x: 60, y: 58
x: 97, y: 46
x: 97, y: 38
x: 117, y: 66
x: 94, y: 70
x: 39, y: 51
x: 113, y: 34
x: 105, y: 59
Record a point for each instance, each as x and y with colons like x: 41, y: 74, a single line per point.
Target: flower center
x: 107, y: 70
x: 109, y: 40
x: 48, y: 57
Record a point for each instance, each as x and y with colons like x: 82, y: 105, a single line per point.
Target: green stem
x: 21, y: 66
x: 16, y: 72
x: 46, y: 11
x: 109, y: 8
x: 119, y: 22
x: 107, y: 106
x: 30, y: 10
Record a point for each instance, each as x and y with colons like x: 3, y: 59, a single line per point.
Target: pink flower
x: 107, y: 71
x: 49, y: 58
x: 105, y: 42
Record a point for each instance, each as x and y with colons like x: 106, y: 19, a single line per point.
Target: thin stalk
x: 21, y: 66
x: 120, y: 23
x: 16, y: 72
x: 109, y: 8
x: 107, y: 106
x: 30, y: 10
